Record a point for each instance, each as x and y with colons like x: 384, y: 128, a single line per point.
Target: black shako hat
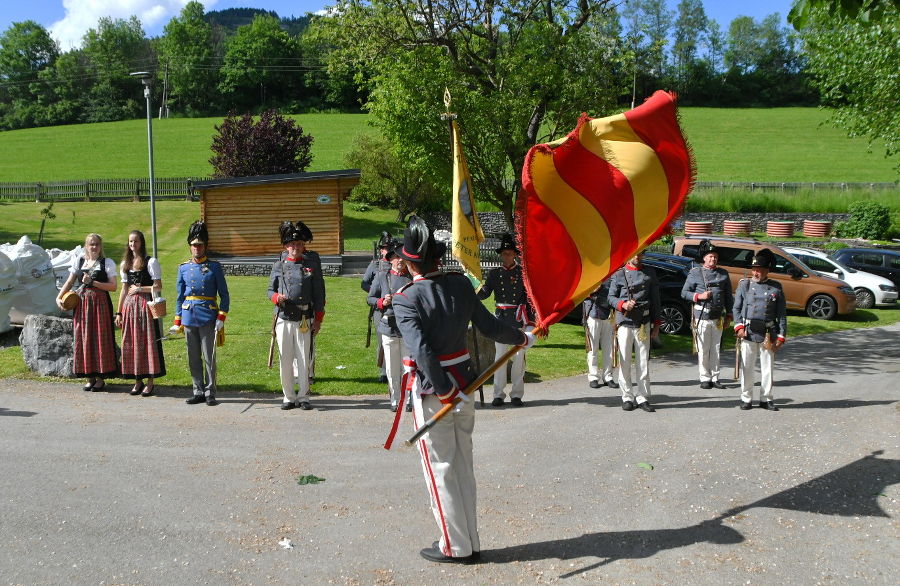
x: 706, y: 247
x: 507, y: 242
x: 393, y: 248
x: 386, y: 240
x: 197, y: 233
x: 299, y: 231
x: 763, y: 259
x: 419, y: 245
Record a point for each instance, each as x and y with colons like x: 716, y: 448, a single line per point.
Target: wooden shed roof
x: 286, y: 178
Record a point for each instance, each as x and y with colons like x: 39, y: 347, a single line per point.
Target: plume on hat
x: 290, y: 232
x: 419, y: 245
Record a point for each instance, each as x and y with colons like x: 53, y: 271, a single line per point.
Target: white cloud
x: 82, y: 15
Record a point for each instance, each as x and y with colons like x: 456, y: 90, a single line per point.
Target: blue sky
x: 68, y: 20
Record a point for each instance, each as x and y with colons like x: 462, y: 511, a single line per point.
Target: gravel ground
x: 105, y: 488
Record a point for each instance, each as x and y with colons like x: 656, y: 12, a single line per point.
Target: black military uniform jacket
x: 760, y: 308
x: 302, y: 283
x: 386, y: 282
x: 433, y: 314
x: 508, y: 289
x: 597, y: 304
x: 717, y: 281
x: 640, y: 285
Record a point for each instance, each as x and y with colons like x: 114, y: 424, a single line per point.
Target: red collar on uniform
x: 289, y: 259
x: 631, y: 267
x: 200, y: 261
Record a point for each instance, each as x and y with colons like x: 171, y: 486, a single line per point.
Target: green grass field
x: 765, y: 145
x: 344, y: 366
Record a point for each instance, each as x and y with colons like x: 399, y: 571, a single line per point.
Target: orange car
x: 804, y: 290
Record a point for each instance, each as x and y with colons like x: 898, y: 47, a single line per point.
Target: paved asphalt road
x: 105, y: 488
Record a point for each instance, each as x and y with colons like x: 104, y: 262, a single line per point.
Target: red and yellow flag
x: 593, y: 199
x: 466, y: 229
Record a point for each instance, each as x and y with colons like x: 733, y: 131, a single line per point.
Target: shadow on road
x: 850, y: 491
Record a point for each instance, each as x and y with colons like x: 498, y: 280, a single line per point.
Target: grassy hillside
x: 780, y: 144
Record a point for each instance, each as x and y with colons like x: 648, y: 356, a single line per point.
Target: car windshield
x: 842, y: 266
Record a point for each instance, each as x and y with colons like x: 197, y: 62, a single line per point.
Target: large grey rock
x: 47, y: 344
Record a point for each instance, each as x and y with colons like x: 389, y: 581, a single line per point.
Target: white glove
x: 219, y: 324
x: 529, y: 340
x: 176, y: 329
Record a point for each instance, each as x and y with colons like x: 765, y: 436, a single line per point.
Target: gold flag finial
x: 447, y: 99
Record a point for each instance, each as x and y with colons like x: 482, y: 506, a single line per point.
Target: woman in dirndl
x: 142, y: 353
x: 95, y: 341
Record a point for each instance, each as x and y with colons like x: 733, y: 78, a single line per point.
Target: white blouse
x: 109, y: 267
x: 152, y: 267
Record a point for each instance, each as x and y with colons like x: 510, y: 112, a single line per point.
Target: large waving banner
x: 593, y: 199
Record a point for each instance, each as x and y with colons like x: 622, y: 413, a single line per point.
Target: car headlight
x: 888, y: 288
x: 848, y: 291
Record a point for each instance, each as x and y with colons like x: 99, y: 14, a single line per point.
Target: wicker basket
x: 157, y: 308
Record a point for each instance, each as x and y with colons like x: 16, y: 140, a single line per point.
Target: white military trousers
x: 516, y: 367
x: 708, y: 338
x: 448, y: 466
x: 749, y: 352
x: 394, y: 351
x: 294, y: 347
x: 630, y: 340
x: 600, y: 334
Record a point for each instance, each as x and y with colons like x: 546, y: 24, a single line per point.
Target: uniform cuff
x: 177, y: 321
x: 619, y: 305
x: 380, y: 304
x: 221, y: 316
x: 320, y: 316
x: 657, y: 322
x: 695, y: 297
x: 274, y: 298
x: 738, y: 327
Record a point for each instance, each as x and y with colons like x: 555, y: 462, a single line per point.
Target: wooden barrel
x: 778, y: 229
x: 703, y: 227
x: 736, y: 227
x: 816, y: 228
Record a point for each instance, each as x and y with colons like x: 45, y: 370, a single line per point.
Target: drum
x: 157, y: 308
x: 70, y: 300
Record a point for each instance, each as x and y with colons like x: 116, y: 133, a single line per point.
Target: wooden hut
x: 242, y: 214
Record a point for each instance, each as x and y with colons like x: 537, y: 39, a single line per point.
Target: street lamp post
x: 147, y: 79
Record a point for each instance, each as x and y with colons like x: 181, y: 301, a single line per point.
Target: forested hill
x: 230, y: 19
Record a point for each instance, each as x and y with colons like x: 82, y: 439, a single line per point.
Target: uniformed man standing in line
x: 433, y: 313
x: 297, y: 289
x: 599, y: 328
x: 506, y: 284
x: 760, y: 323
x: 199, y: 282
x: 634, y: 293
x: 381, y: 294
x: 708, y: 289
x: 376, y: 265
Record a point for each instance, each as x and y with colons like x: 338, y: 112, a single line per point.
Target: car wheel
x: 674, y: 319
x: 821, y: 307
x: 865, y: 299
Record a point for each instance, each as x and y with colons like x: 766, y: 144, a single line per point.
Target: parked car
x: 871, y: 289
x: 804, y: 289
x: 671, y: 270
x: 885, y: 263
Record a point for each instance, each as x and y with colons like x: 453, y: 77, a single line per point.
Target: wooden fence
x: 100, y: 190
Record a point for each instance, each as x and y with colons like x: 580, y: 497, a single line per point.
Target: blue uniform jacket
x: 508, y: 288
x: 203, y: 279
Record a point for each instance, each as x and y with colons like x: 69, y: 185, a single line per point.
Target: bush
x: 868, y: 220
x: 273, y: 145
x: 834, y: 246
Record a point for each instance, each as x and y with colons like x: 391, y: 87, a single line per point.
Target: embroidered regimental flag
x: 593, y: 199
x: 466, y: 229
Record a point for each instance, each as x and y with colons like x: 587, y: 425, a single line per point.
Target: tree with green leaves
x: 269, y: 145
x: 26, y: 50
x: 853, y: 56
x: 115, y: 48
x: 186, y: 54
x: 262, y: 65
x: 690, y: 31
x: 518, y: 71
